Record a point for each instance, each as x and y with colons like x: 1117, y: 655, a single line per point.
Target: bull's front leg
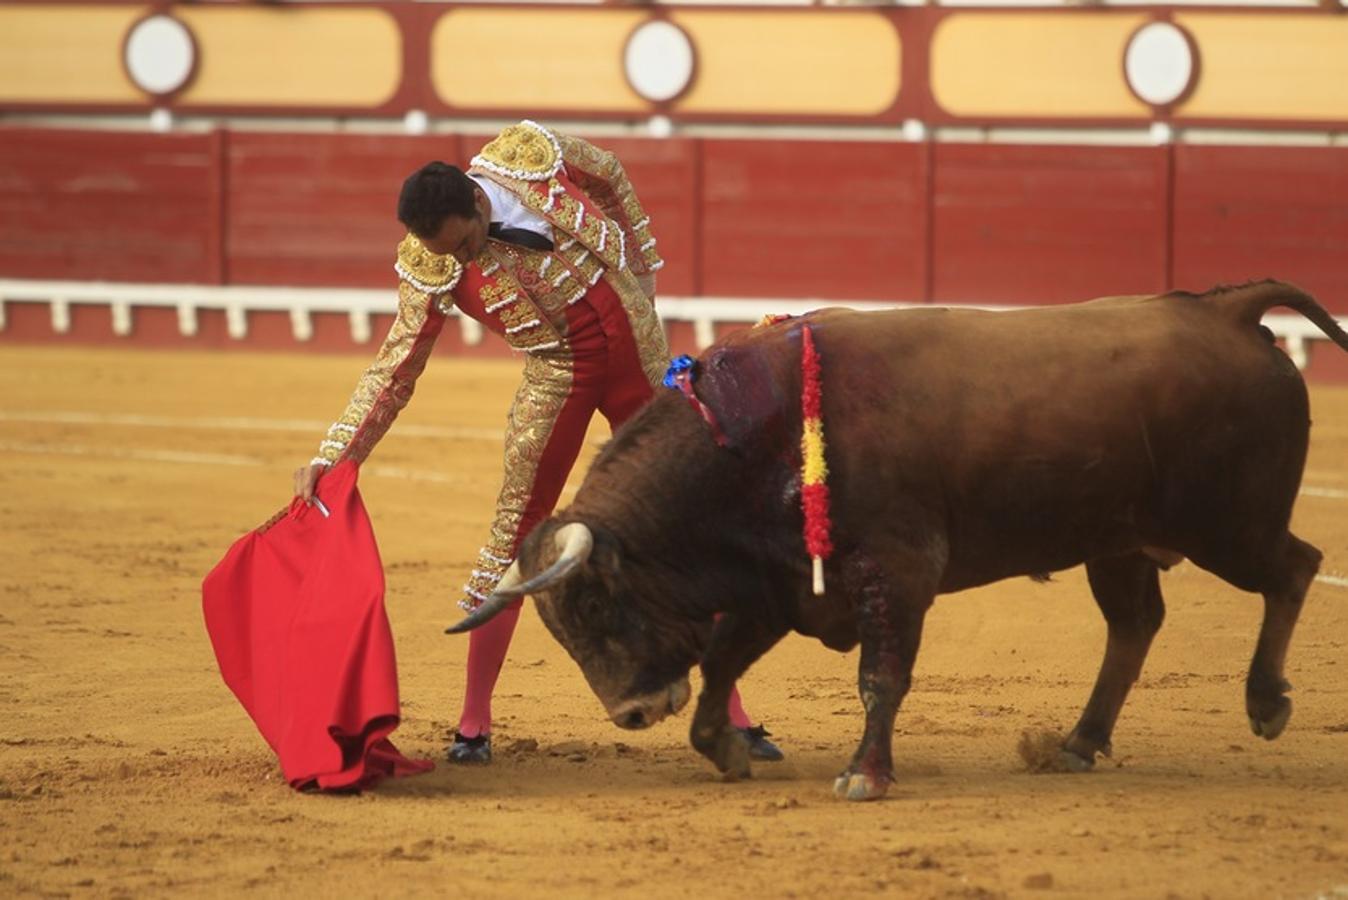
x: 891, y: 618
x: 736, y: 642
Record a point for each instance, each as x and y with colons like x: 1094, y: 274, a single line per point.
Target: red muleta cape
x: 295, y: 611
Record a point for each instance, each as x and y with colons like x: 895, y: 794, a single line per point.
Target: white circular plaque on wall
x: 1159, y: 63
x: 658, y: 61
x: 160, y: 54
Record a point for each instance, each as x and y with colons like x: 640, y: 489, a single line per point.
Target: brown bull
x: 964, y: 447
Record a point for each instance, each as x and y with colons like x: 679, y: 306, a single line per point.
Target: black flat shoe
x: 473, y: 751
x: 760, y: 747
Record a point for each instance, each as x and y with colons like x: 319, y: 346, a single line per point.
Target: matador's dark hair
x: 432, y: 194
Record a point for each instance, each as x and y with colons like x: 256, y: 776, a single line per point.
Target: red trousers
x: 607, y: 377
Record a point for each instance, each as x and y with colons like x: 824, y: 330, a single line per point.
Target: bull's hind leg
x: 891, y: 618
x: 736, y: 642
x: 1128, y: 592
x: 1265, y: 702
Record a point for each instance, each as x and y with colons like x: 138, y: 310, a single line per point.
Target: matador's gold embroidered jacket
x: 601, y: 231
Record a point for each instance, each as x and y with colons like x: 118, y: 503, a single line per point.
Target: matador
x: 543, y: 241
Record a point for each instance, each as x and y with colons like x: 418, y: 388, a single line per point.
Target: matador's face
x: 463, y: 238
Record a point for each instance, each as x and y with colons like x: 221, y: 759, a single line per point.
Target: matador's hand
x: 306, y: 478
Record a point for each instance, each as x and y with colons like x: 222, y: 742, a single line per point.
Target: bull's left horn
x: 575, y: 543
x: 506, y: 591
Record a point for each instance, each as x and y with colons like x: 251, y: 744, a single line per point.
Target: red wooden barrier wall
x: 90, y: 205
x: 320, y: 209
x: 834, y: 220
x: 840, y: 220
x: 1258, y: 212
x: 1047, y: 224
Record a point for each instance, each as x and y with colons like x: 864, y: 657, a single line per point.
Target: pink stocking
x: 487, y: 647
x: 738, y: 717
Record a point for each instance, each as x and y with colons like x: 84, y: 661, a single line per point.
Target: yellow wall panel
x: 1047, y: 64
x: 807, y: 62
x: 293, y: 56
x: 1274, y: 67
x: 66, y: 54
x: 534, y: 59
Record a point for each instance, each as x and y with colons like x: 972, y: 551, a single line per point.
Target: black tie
x: 521, y: 236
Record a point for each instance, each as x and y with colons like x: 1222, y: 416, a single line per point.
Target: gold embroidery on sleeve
x: 601, y: 176
x: 386, y: 386
x: 647, y: 330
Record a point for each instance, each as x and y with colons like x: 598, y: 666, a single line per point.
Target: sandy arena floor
x: 128, y: 769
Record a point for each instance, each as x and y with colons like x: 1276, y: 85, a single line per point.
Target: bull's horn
x: 510, y: 580
x: 506, y: 591
x: 486, y: 611
x: 575, y: 542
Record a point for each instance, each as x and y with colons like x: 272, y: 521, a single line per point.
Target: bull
x: 965, y: 447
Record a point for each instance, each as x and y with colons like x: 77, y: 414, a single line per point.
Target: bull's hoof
x: 1076, y: 754
x: 859, y: 786
x: 1269, y: 723
x: 731, y: 755
x: 1073, y: 762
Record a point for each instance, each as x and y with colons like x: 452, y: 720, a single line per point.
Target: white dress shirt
x: 507, y: 209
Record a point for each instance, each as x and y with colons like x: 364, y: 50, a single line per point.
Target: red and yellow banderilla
x: 814, y: 470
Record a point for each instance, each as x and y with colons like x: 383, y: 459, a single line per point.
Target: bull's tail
x: 1249, y: 302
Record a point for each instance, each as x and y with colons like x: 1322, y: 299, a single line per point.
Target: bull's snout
x: 645, y: 711
x: 634, y: 719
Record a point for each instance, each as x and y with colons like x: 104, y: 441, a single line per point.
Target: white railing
x: 358, y: 304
